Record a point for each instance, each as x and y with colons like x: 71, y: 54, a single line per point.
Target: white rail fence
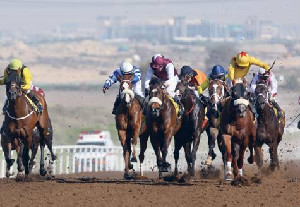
x: 76, y: 159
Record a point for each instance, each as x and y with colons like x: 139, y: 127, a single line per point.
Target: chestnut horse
x: 238, y: 129
x: 162, y: 123
x: 217, y: 91
x: 20, y: 120
x: 191, y: 127
x: 269, y: 129
x: 128, y: 121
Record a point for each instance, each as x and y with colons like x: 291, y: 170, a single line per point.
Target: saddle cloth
x: 174, y: 104
x: 276, y: 113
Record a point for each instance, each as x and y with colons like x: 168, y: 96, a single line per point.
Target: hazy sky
x: 43, y: 15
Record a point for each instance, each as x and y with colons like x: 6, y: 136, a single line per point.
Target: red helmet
x: 157, y: 61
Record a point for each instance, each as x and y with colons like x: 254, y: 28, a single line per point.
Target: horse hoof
x: 250, y: 160
x: 20, y: 176
x: 127, y: 176
x: 130, y: 166
x: 43, y: 172
x: 133, y: 159
x: 228, y: 177
x: 208, y: 161
x: 53, y: 157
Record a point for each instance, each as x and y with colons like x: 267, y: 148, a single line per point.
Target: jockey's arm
x: 231, y: 70
x: 137, y: 76
x: 253, y: 84
x: 204, y: 86
x: 148, y: 77
x: 27, y: 80
x: 171, y: 75
x: 273, y: 85
x: 257, y: 62
x: 2, y: 79
x: 111, y: 80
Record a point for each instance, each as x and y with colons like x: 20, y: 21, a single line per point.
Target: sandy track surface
x: 281, y: 188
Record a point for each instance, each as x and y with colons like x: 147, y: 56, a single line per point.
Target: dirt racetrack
x: 281, y: 188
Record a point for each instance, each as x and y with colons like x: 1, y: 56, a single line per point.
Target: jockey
x: 126, y: 68
x: 164, y: 69
x: 217, y: 72
x: 239, y: 67
x: 272, y: 87
x: 23, y: 70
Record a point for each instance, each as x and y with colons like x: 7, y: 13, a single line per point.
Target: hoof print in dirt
x: 185, y: 178
x: 256, y: 179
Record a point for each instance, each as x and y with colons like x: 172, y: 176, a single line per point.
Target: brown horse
x: 191, y: 127
x: 128, y: 121
x: 217, y: 91
x: 269, y: 129
x: 19, y: 123
x: 238, y: 129
x: 162, y: 123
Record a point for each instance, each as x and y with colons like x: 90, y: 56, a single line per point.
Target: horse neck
x: 189, y: 102
x: 267, y: 113
x: 17, y: 108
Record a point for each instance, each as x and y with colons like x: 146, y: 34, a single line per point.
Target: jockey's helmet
x: 126, y: 68
x: 187, y: 71
x: 242, y: 59
x: 15, y: 64
x: 157, y: 61
x: 217, y: 72
x: 263, y: 74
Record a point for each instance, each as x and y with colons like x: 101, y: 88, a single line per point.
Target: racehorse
x: 217, y: 92
x: 128, y: 121
x: 20, y: 120
x: 191, y: 127
x: 162, y: 123
x: 269, y: 129
x: 238, y: 129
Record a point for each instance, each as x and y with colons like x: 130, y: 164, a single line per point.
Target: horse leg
x: 156, y: 148
x: 122, y: 138
x: 35, y: 147
x: 143, y: 146
x: 164, y: 150
x: 226, y: 139
x: 240, y: 161
x: 43, y: 171
x: 235, y: 154
x: 273, y: 156
x: 188, y: 156
x: 134, y: 143
x: 47, y: 134
x: 128, y: 143
x: 212, y: 134
x: 251, y: 147
x: 20, y: 149
x: 196, y: 144
x: 221, y: 146
x: 176, y: 153
x: 259, y: 158
x: 7, y: 154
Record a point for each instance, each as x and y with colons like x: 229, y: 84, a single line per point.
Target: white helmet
x: 126, y: 68
x: 261, y: 71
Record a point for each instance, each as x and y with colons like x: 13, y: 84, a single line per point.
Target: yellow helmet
x: 242, y: 59
x: 15, y: 64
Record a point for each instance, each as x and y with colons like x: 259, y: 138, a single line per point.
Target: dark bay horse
x: 269, y: 129
x: 238, y: 129
x: 217, y: 91
x: 128, y: 121
x: 188, y: 136
x: 162, y: 123
x: 20, y: 120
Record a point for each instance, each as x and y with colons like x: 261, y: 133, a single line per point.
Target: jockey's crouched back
x: 126, y: 68
x: 23, y: 71
x: 165, y: 70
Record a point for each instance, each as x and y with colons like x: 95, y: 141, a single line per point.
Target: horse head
x: 240, y: 96
x: 155, y: 96
x: 13, y: 83
x: 216, y: 91
x: 261, y: 94
x: 126, y: 92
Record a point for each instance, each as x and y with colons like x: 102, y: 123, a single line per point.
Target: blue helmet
x: 217, y: 72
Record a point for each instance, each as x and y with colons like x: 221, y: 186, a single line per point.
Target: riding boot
x: 37, y: 102
x: 116, y: 104
x: 180, y: 112
x: 277, y: 107
x: 253, y: 109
